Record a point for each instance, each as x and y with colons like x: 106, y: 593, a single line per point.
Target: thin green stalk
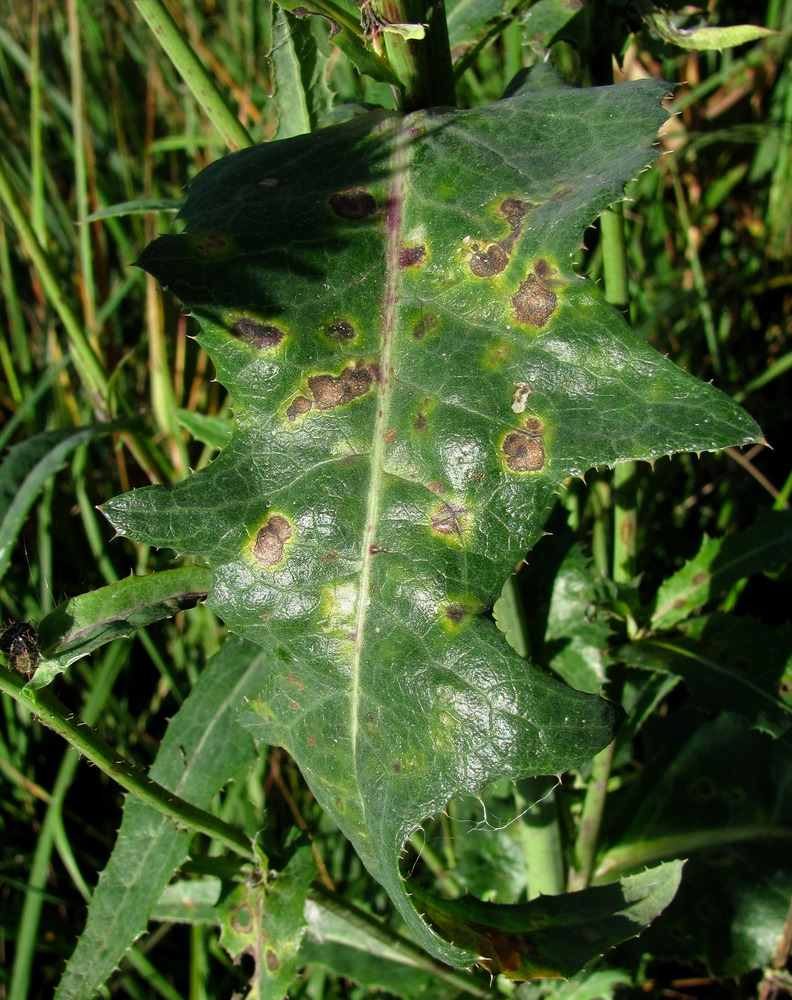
x: 36, y: 145
x: 79, y: 137
x: 591, y: 820
x: 699, y: 281
x: 625, y: 475
x: 27, y: 932
x: 189, y: 67
x: 85, y: 361
x: 423, y: 67
x: 52, y: 713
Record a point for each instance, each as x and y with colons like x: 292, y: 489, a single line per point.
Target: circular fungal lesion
x: 487, y: 263
x: 457, y: 613
x: 340, y: 330
x: 353, y: 204
x: 327, y: 392
x: 262, y: 336
x: 533, y: 303
x: 212, y: 245
x: 524, y: 450
x: 450, y: 521
x: 412, y: 256
x: 270, y: 545
x: 330, y: 391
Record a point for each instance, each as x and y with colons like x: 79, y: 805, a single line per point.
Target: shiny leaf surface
x: 415, y: 370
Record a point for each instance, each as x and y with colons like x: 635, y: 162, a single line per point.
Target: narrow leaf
x: 203, y: 749
x: 416, y: 369
x: 85, y: 623
x: 720, y: 562
x: 730, y: 664
x: 555, y: 936
x: 24, y: 471
x: 704, y: 37
x: 299, y: 73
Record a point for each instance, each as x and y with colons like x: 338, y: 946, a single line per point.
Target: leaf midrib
x: 393, y: 227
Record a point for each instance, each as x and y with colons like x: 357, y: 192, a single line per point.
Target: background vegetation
x: 92, y: 115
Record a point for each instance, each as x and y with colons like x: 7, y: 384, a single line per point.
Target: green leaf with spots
x: 416, y: 369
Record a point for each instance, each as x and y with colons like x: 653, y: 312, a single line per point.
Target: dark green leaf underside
x: 415, y: 370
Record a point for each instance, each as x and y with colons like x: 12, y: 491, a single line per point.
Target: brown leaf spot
x: 455, y: 613
x: 340, y: 330
x: 700, y: 578
x: 353, y: 204
x: 411, y: 256
x: 376, y: 549
x: 330, y: 391
x: 211, y: 244
x: 259, y: 335
x: 533, y: 303
x: 524, y: 450
x: 298, y: 406
x: 488, y: 263
x: 397, y: 766
x: 269, y: 182
x: 514, y: 211
x: 272, y: 960
x: 435, y: 487
x: 448, y: 520
x: 420, y: 420
x: 271, y: 540
x: 311, y: 740
x: 390, y: 435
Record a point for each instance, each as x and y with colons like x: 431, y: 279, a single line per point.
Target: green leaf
x: 720, y: 562
x: 266, y: 922
x: 730, y: 664
x: 718, y: 793
x: 26, y: 468
x: 600, y: 985
x: 703, y: 37
x: 206, y: 428
x: 299, y: 73
x: 343, y: 18
x: 139, y: 206
x: 203, y: 749
x: 415, y: 369
x: 79, y: 626
x: 547, y: 18
x: 555, y: 935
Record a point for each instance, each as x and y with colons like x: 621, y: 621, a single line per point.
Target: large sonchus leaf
x: 416, y: 369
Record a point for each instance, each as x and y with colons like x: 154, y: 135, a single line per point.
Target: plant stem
x: 591, y: 819
x: 423, y: 67
x: 189, y: 67
x: 52, y: 713
x: 51, y: 827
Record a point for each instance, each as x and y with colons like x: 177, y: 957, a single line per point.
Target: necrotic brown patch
x: 259, y: 335
x: 353, y: 204
x: 524, y: 450
x: 340, y: 330
x: 514, y: 211
x: 455, y: 613
x: 532, y: 303
x: 410, y: 256
x: 448, y: 520
x: 329, y: 391
x: 211, y: 244
x: 271, y: 540
x: 488, y: 263
x: 297, y: 407
x: 269, y: 182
